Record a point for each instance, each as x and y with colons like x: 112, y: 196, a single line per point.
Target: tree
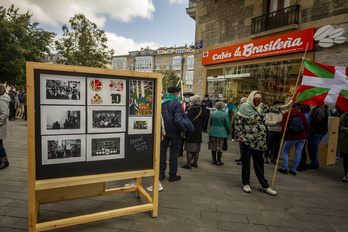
x: 83, y: 44
x: 169, y: 79
x: 20, y: 41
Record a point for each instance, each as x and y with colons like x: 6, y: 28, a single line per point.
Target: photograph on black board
x: 63, y: 119
x: 63, y: 149
x: 106, y: 119
x: 140, y: 125
x: 59, y: 89
x: 140, y: 97
x: 105, y: 147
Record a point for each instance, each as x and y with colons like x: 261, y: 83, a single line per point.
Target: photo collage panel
x: 85, y: 119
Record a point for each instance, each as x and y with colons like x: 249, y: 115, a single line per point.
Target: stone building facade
x: 223, y: 23
x: 178, y: 59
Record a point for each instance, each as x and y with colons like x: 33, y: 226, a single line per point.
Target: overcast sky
x: 129, y: 24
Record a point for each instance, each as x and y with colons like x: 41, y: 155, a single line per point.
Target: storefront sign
x: 275, y: 45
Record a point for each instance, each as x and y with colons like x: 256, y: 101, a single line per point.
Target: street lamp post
x: 182, y: 74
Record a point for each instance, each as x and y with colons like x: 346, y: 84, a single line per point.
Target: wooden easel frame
x: 70, y: 188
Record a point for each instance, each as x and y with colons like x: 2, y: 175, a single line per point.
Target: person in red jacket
x: 295, y: 135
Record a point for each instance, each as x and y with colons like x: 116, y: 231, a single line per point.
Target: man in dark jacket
x: 175, y: 123
x: 206, y: 103
x: 317, y: 131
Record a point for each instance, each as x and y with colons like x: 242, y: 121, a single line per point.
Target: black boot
x: 213, y: 154
x: 219, y: 159
x: 4, y: 164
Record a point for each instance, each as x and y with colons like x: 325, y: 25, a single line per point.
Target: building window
x: 119, y: 63
x: 168, y: 65
x: 160, y: 52
x: 180, y: 50
x: 177, y: 63
x: 158, y: 66
x: 144, y: 64
x: 275, y: 5
x: 133, y: 53
x: 190, y: 61
x: 189, y: 78
x: 169, y: 52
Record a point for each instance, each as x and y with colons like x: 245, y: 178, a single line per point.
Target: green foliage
x: 20, y: 41
x: 169, y: 79
x: 83, y: 44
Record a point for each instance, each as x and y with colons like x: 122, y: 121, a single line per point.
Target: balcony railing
x: 275, y: 19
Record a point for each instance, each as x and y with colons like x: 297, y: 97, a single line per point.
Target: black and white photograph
x: 106, y: 92
x: 140, y: 125
x: 106, y: 119
x: 63, y: 120
x: 105, y: 147
x: 59, y: 89
x: 63, y: 149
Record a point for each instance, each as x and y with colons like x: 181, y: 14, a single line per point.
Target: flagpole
x: 287, y: 119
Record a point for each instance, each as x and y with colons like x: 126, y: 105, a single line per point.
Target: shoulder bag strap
x: 200, y: 111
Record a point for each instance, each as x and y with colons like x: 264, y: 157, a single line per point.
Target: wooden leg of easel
x: 138, y: 183
x: 155, y: 195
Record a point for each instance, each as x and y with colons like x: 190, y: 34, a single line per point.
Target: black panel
x: 138, y: 148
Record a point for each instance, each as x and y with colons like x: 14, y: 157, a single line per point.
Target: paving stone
x: 284, y: 229
x: 260, y: 220
x: 7, y: 221
x: 224, y: 217
x: 237, y: 227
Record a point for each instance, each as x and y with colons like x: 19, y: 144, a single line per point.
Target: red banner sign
x: 271, y: 46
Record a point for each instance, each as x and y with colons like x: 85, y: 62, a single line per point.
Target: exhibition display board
x: 88, y: 126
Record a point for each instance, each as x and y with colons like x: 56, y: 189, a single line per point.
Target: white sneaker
x: 246, y: 188
x: 268, y: 191
x: 232, y: 140
x: 160, y: 188
x: 345, y: 179
x: 130, y: 183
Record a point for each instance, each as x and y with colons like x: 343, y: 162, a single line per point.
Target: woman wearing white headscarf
x: 252, y: 131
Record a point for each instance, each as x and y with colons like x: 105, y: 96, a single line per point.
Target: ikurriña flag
x: 322, y: 84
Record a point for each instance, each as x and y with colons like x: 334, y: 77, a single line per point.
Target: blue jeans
x: 298, y: 151
x: 2, y: 149
x: 173, y: 158
x: 313, y: 144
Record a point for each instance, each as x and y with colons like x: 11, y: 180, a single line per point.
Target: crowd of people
x: 256, y: 126
x: 13, y: 104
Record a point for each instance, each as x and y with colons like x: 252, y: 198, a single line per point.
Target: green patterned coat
x: 254, y: 130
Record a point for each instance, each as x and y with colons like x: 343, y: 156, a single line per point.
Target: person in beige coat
x: 273, y: 121
x: 4, y: 114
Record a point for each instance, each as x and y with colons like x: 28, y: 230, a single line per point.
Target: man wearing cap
x: 273, y: 121
x: 175, y: 123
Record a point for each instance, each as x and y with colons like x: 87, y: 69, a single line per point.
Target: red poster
x: 271, y: 46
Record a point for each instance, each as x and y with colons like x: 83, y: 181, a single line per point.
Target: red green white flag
x: 322, y: 84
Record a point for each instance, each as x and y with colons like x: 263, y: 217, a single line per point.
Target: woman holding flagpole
x: 252, y: 132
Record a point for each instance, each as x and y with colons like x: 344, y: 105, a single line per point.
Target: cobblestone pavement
x: 208, y: 198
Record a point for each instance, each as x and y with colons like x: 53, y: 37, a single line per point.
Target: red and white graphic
x: 96, y: 100
x: 271, y: 46
x: 116, y: 85
x: 96, y: 85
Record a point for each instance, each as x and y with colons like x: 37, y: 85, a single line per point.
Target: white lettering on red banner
x: 276, y: 45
